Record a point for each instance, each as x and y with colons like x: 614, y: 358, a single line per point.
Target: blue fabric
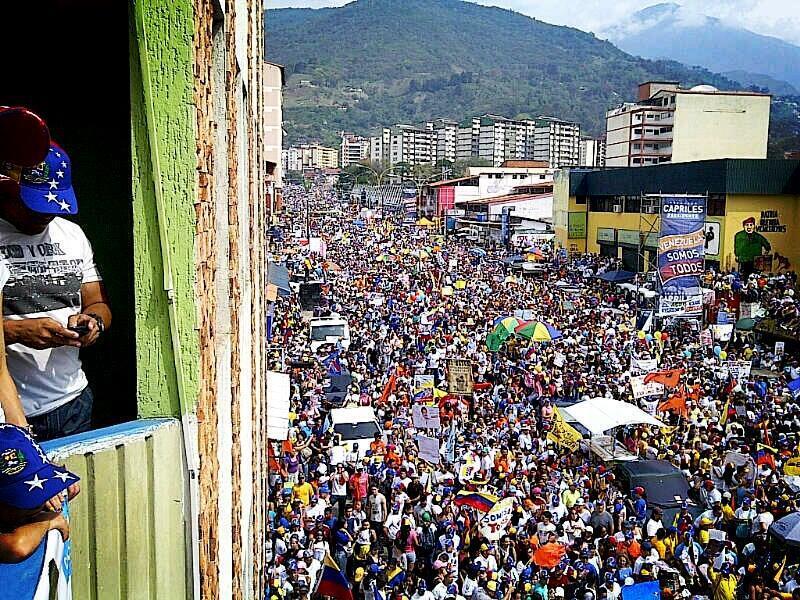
x: 20, y: 580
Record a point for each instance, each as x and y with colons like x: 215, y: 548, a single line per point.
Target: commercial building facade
x: 670, y: 124
x: 615, y: 212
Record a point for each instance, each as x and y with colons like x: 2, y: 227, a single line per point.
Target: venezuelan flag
x: 332, y: 582
x: 478, y: 500
x: 395, y: 578
x: 765, y: 455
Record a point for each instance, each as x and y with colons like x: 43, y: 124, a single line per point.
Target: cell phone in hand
x: 81, y: 329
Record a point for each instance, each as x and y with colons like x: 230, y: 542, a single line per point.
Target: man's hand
x: 54, y: 504
x: 91, y: 323
x: 59, y: 522
x: 39, y: 333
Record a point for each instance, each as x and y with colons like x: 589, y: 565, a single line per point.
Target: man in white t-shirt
x: 54, y: 302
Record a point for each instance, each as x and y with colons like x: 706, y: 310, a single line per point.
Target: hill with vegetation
x: 375, y: 63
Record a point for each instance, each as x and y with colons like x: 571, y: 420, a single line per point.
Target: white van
x: 356, y: 425
x: 329, y: 330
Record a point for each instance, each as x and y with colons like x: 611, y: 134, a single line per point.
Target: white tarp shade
x: 599, y: 415
x: 278, y: 391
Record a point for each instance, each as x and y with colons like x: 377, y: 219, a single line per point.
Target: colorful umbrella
x: 480, y: 252
x: 537, y: 331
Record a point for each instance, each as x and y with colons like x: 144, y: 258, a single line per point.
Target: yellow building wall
x: 769, y: 212
x: 563, y: 205
x: 609, y: 220
x: 708, y: 126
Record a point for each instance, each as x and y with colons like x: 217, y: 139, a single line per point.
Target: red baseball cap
x: 24, y: 137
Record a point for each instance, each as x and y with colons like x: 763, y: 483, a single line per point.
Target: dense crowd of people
x: 399, y: 523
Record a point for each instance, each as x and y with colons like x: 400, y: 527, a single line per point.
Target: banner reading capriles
x: 681, y: 255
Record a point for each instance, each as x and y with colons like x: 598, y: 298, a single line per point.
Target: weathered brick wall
x: 246, y: 271
x: 205, y: 257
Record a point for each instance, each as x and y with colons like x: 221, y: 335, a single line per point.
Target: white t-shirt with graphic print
x: 47, y: 271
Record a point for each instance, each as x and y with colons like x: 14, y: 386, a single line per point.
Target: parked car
x: 665, y: 484
x: 356, y: 425
x: 329, y: 330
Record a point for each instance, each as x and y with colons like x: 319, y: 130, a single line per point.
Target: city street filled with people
x: 461, y: 428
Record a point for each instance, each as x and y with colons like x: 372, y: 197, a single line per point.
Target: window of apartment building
x: 541, y: 176
x: 638, y: 131
x: 637, y: 146
x: 637, y: 161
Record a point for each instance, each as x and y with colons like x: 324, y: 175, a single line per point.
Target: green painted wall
x: 169, y: 28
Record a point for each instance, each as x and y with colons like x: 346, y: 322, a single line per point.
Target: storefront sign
x: 681, y: 255
x: 628, y: 236
x: 604, y: 234
x: 576, y: 228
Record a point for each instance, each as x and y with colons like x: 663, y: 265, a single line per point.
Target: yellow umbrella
x: 460, y: 284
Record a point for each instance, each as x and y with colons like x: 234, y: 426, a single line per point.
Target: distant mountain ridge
x: 668, y: 30
x: 374, y: 63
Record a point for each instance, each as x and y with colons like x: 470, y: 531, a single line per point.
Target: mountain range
x: 374, y: 63
x: 669, y: 30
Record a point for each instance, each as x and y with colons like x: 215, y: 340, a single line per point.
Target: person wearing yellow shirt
x: 302, y: 490
x: 570, y: 495
x: 723, y: 582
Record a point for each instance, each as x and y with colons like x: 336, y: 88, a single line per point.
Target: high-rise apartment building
x: 446, y: 144
x: 354, y: 149
x: 592, y: 152
x: 670, y: 124
x: 309, y: 156
x: 557, y: 142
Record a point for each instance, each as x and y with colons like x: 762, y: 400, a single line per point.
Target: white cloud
x: 778, y: 18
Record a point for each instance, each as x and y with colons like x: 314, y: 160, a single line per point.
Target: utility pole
x: 307, y: 186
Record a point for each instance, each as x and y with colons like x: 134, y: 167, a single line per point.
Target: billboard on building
x: 681, y: 255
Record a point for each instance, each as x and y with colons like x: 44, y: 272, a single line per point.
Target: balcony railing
x: 127, y: 526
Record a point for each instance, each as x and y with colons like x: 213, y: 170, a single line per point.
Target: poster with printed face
x: 459, y: 376
x: 779, y: 349
x: 643, y: 390
x: 428, y: 449
x: 425, y: 417
x: 739, y: 369
x: 494, y: 523
x: 681, y: 255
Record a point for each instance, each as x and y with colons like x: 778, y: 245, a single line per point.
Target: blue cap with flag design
x: 47, y: 187
x: 27, y: 478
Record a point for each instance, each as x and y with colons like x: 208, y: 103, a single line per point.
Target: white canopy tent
x: 600, y: 415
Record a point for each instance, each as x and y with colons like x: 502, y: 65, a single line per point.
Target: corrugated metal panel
x: 763, y: 176
x: 723, y: 176
x: 127, y: 524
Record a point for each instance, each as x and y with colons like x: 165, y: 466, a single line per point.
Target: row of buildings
x: 665, y: 124
x: 490, y: 138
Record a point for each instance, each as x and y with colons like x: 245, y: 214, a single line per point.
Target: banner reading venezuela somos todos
x: 681, y: 255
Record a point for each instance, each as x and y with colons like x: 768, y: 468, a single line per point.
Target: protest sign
x: 494, y: 523
x: 739, y: 369
x: 425, y: 417
x: 459, y: 376
x: 428, y: 448
x: 642, y: 366
x: 642, y: 390
x: 423, y: 387
x: 559, y: 360
x: 779, y: 349
x: 562, y: 433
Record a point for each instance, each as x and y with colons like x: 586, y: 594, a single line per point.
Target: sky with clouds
x: 779, y: 18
